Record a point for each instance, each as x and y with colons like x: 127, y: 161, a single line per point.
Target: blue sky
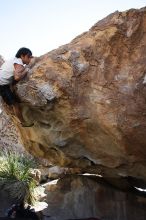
x: 43, y: 25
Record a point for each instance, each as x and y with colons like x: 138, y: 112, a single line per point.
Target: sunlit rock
x: 88, y: 100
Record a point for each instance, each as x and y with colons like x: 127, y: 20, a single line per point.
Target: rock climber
x: 11, y: 72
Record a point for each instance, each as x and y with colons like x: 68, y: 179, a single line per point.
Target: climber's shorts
x: 8, y: 95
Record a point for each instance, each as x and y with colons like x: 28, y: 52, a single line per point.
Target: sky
x: 44, y: 25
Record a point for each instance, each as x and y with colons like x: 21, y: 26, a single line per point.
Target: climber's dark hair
x: 23, y: 51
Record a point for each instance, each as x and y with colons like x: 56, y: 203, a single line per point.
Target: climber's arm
x: 19, y: 71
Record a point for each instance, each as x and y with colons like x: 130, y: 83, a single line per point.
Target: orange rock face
x: 88, y: 99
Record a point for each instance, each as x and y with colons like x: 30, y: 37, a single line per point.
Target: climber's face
x: 26, y: 59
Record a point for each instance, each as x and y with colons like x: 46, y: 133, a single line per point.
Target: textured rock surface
x: 81, y: 197
x: 88, y: 100
x: 10, y: 138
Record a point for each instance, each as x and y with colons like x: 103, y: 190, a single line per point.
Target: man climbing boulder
x: 11, y: 72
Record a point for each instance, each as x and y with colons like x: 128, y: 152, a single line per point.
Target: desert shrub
x: 15, y: 176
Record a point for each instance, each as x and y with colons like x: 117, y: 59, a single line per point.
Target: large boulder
x: 88, y: 101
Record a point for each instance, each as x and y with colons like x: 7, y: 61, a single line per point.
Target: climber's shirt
x: 7, y: 71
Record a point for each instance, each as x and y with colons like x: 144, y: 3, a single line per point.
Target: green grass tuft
x: 15, y: 176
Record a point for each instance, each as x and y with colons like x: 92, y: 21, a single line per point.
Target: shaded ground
x: 5, y: 203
